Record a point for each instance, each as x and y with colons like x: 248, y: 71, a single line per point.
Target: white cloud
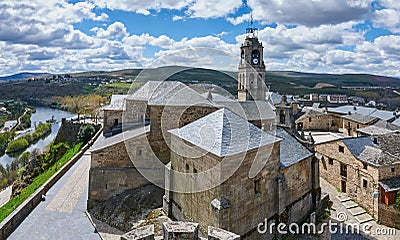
x: 213, y: 8
x: 115, y: 30
x: 238, y: 20
x: 176, y: 18
x: 309, y: 12
x: 387, y: 18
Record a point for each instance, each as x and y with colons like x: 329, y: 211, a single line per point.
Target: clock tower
x: 251, y: 77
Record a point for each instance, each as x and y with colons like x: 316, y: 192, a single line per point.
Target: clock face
x: 255, y: 60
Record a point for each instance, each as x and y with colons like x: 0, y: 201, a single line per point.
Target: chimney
x: 355, y: 108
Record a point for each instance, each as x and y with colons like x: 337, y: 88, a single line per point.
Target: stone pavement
x: 62, y: 215
x: 5, y: 195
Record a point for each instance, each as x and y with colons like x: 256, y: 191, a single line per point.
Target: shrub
x: 398, y: 198
x: 17, y: 145
x: 85, y: 133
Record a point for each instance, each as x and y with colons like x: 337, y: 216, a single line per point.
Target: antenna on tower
x: 251, y: 30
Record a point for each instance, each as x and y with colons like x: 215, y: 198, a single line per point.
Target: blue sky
x: 324, y: 36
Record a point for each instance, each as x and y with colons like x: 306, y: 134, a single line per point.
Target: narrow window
x: 309, y: 119
x: 330, y: 161
x: 116, y: 122
x: 341, y: 149
x: 392, y: 169
x: 139, y: 152
x: 365, y: 183
x: 195, y: 170
x: 257, y: 187
x: 365, y: 166
x: 187, y: 167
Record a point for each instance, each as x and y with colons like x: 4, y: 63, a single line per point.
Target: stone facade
x: 317, y: 121
x: 350, y: 127
x: 164, y: 118
x: 360, y: 180
x: 112, y: 121
x: 112, y: 171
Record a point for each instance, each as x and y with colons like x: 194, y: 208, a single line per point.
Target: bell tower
x: 251, y: 77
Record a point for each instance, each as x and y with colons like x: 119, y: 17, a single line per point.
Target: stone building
x: 112, y: 115
x: 284, y: 184
x: 196, y: 139
x: 353, y: 122
x: 366, y: 168
x: 315, y: 120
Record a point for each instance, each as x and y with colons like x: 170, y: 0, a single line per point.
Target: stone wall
x: 179, y: 231
x: 109, y: 120
x: 295, y: 193
x: 389, y: 215
x: 136, y: 111
x: 170, y: 117
x: 350, y: 127
x: 112, y: 170
x: 356, y: 174
x: 391, y: 171
x: 247, y: 208
x: 323, y: 122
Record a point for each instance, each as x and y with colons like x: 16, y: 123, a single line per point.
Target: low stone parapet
x: 221, y: 234
x: 180, y: 231
x: 143, y: 233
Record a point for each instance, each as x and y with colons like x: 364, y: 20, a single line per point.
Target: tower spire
x: 251, y: 30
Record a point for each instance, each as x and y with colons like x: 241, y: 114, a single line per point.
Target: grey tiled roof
x: 312, y: 113
x: 381, y: 114
x: 374, y: 130
x: 396, y: 122
x: 224, y: 133
x: 390, y: 185
x: 385, y: 152
x: 250, y: 110
x: 116, y: 103
x: 177, y: 94
x: 218, y: 97
x: 359, y: 118
x: 291, y: 150
x: 146, y: 91
x: 387, y: 125
x: 103, y: 142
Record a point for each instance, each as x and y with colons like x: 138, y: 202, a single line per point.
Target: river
x: 41, y: 115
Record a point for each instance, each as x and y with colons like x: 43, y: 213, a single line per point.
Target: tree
x: 85, y: 133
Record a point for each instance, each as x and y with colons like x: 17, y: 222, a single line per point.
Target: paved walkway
x: 62, y: 215
x: 5, y: 195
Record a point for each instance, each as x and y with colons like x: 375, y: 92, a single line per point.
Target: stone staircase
x: 359, y: 213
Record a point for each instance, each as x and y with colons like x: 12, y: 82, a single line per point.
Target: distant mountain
x: 23, y: 75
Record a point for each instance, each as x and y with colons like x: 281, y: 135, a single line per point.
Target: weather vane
x: 250, y: 28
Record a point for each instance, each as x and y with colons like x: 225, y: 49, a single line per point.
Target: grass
x: 11, y: 205
x: 120, y: 85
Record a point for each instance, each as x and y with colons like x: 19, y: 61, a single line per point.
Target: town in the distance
x: 190, y: 153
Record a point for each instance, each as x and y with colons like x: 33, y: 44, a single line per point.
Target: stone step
x: 357, y: 211
x: 349, y: 204
x: 343, y: 198
x: 363, y: 218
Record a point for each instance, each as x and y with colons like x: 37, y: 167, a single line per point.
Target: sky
x: 320, y: 36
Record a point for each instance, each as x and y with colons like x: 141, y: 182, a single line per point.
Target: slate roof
x: 359, y: 118
x: 177, y: 94
x: 103, y: 142
x: 374, y: 130
x: 390, y: 185
x: 218, y: 97
x: 117, y: 102
x: 385, y: 152
x: 396, y: 122
x: 224, y: 133
x: 250, y: 110
x: 381, y: 114
x: 146, y: 91
x: 387, y: 125
x: 291, y: 151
